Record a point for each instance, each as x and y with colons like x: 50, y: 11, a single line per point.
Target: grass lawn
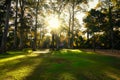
x: 59, y: 65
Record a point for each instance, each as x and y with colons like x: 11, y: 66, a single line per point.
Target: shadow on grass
x: 75, y: 65
x: 61, y: 65
x: 18, y: 68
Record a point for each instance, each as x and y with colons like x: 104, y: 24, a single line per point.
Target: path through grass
x: 65, y: 64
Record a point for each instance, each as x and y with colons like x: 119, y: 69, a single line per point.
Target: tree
x: 74, y: 4
x: 93, y: 22
x: 36, y: 25
x: 22, y: 7
x: 4, y: 37
x: 69, y: 28
x: 16, y: 26
x: 111, y: 6
x: 2, y: 18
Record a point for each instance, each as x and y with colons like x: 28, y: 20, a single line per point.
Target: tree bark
x: 94, y: 47
x: 69, y: 29
x: 22, y: 25
x: 15, y: 30
x: 73, y: 22
x: 35, y: 37
x: 111, y: 26
x: 53, y: 39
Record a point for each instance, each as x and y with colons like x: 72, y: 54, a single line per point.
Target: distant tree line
x: 22, y: 24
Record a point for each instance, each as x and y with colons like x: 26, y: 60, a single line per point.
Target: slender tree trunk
x: 73, y: 22
x: 15, y: 30
x: 4, y: 37
x: 53, y: 39
x: 111, y: 26
x: 57, y: 41
x: 35, y: 37
x: 69, y: 29
x: 22, y: 25
x: 94, y: 42
x: 88, y: 35
x: 35, y: 32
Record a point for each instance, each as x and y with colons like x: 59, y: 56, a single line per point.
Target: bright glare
x: 93, y: 4
x: 53, y: 22
x: 80, y: 15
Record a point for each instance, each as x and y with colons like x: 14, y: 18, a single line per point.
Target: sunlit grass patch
x: 13, y: 55
x: 71, y: 50
x: 90, y: 52
x: 23, y: 71
x: 65, y: 64
x: 76, y: 50
x: 19, y: 68
x: 12, y: 58
x: 16, y: 65
x: 112, y: 75
x: 67, y: 76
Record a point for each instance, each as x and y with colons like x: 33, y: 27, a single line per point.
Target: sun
x: 53, y: 22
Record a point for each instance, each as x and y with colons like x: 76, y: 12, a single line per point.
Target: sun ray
x: 53, y: 22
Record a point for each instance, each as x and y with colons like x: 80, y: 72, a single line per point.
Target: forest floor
x: 65, y: 64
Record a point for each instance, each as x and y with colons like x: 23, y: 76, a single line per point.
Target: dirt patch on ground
x: 115, y: 53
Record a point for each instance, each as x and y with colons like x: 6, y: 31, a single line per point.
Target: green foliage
x: 105, y: 20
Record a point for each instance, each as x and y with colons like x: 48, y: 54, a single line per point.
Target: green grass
x: 59, y: 65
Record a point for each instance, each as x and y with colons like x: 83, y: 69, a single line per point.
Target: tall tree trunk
x: 53, y: 40
x: 57, y: 41
x: 111, y: 26
x: 69, y: 29
x: 35, y: 37
x: 88, y: 33
x: 4, y: 37
x: 94, y: 47
x: 22, y: 25
x: 15, y: 30
x: 73, y: 22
